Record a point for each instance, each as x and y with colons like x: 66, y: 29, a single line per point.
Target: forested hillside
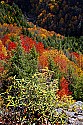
x: 41, y: 62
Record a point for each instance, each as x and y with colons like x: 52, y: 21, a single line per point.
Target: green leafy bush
x: 38, y: 96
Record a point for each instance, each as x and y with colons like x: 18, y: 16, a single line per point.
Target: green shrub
x: 38, y: 95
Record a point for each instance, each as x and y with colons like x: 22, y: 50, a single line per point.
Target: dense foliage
x: 62, y: 16
x: 65, y: 16
x: 12, y: 14
x: 33, y: 95
x: 40, y: 71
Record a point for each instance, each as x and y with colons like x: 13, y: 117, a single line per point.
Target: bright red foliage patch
x: 75, y: 54
x: 28, y: 44
x: 11, y: 46
x: 64, y: 88
x: 5, y: 38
